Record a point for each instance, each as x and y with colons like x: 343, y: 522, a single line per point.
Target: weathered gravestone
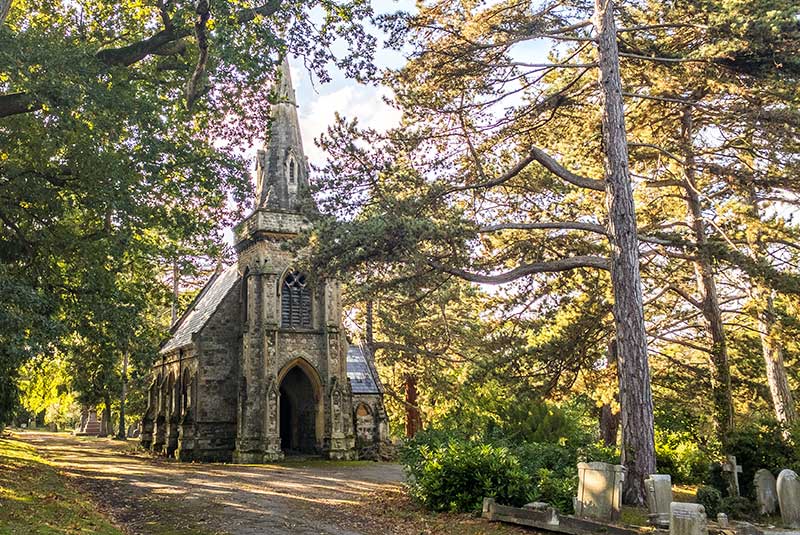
x: 732, y: 471
x: 789, y: 498
x: 687, y: 519
x: 766, y: 491
x: 659, y: 496
x: 599, y: 490
x: 89, y: 424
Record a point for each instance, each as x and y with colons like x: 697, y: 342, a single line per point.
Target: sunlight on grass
x: 36, y: 500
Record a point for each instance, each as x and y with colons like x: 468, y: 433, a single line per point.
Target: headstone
x: 732, y: 471
x: 599, y: 490
x: 687, y: 519
x: 89, y: 424
x: 789, y: 498
x: 722, y: 520
x: 659, y: 496
x: 766, y: 491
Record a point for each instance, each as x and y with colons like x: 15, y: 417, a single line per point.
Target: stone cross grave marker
x: 599, y: 490
x: 732, y: 471
x: 766, y: 491
x: 789, y: 498
x: 659, y: 496
x: 687, y: 519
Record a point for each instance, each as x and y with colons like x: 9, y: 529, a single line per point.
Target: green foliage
x: 457, y: 476
x: 710, y: 498
x: 549, y: 468
x: 761, y: 444
x: 555, y: 489
x: 738, y: 508
x: 679, y: 455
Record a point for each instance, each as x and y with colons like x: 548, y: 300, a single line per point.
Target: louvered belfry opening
x: 295, y: 302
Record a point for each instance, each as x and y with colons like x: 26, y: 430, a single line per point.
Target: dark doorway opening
x: 298, y: 414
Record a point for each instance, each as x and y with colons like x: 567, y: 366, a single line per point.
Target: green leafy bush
x: 710, y: 498
x: 679, y: 455
x: 457, y: 476
x: 760, y: 444
x: 738, y: 508
x: 557, y: 490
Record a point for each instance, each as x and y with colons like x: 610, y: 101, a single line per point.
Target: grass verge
x: 35, y: 499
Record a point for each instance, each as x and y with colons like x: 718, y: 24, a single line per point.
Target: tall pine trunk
x: 413, y: 418
x: 123, y: 433
x: 710, y: 308
x: 771, y: 349
x: 781, y: 393
x: 636, y: 399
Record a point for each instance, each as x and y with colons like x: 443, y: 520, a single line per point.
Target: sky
x: 318, y: 103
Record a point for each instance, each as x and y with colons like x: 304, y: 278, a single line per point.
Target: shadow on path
x: 146, y: 495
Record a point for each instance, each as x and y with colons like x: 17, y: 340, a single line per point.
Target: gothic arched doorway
x: 298, y: 414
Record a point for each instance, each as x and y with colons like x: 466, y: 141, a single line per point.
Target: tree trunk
x: 105, y: 419
x: 720, y: 368
x: 636, y: 400
x: 5, y: 6
x: 175, y: 276
x: 123, y: 433
x: 771, y: 349
x: 413, y: 418
x: 369, y: 335
x: 609, y: 420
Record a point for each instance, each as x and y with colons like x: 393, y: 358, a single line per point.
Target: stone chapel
x: 259, y: 365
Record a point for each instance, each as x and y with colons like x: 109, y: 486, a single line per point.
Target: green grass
x: 35, y: 499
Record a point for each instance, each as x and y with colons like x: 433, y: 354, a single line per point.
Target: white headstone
x: 789, y: 498
x: 766, y: 491
x: 659, y: 496
x: 599, y: 490
x: 687, y: 519
x: 722, y: 520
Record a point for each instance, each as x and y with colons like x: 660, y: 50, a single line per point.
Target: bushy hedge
x: 679, y: 455
x: 710, y: 498
x: 448, y: 471
x: 761, y: 444
x: 458, y: 475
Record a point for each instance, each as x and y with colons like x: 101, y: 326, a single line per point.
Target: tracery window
x: 295, y: 302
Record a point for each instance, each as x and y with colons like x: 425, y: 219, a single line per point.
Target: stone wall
x: 218, y: 346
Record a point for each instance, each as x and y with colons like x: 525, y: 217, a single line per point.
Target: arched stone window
x: 291, y: 173
x: 295, y: 302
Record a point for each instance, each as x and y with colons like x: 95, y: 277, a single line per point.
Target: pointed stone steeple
x: 281, y: 167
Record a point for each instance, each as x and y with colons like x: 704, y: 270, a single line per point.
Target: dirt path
x: 154, y: 496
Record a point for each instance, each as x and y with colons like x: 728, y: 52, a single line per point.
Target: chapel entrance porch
x: 299, y: 412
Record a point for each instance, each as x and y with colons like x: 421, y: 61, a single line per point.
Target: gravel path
x: 145, y: 494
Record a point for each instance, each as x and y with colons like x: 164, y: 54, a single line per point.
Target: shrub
x: 457, y: 477
x: 760, y: 444
x: 738, y: 508
x: 679, y: 455
x: 557, y: 490
x: 710, y: 498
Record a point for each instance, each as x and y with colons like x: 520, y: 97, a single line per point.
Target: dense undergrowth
x: 530, y: 452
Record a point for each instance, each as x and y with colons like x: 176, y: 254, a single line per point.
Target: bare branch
x: 683, y: 293
x: 562, y: 172
x: 193, y: 88
x: 553, y: 266
x: 555, y: 225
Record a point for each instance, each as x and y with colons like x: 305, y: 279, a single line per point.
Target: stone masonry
x: 257, y: 367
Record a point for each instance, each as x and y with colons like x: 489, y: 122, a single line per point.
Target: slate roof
x: 363, y: 376
x: 201, y: 309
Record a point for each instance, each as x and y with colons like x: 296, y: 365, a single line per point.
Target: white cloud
x: 352, y: 101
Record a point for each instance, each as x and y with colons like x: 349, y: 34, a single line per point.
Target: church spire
x: 281, y: 167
